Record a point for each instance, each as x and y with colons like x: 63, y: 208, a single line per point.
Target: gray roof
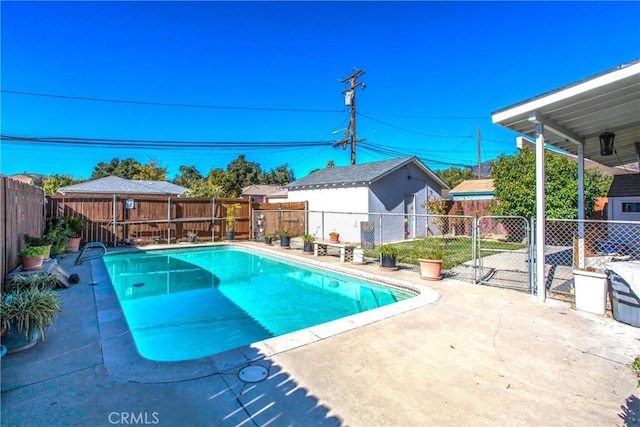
x: 363, y: 174
x: 117, y: 185
x: 625, y: 186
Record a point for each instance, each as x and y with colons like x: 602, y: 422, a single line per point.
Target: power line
x: 379, y: 149
x: 413, y: 131
x: 162, y: 144
x: 403, y: 116
x: 169, y: 104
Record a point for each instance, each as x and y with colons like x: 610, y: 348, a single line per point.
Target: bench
x: 346, y: 251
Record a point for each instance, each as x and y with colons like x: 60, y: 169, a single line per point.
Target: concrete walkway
x: 477, y: 356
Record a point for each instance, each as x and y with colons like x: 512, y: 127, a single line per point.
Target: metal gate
x: 504, y: 254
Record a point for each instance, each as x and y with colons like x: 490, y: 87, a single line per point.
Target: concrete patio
x: 476, y: 356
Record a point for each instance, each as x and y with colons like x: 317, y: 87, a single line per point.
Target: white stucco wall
x: 353, y: 200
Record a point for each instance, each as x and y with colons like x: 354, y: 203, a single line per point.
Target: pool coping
x: 122, y: 360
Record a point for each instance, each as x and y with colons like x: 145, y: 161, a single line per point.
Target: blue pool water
x: 184, y: 304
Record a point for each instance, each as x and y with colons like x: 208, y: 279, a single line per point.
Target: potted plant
x: 59, y: 242
x: 26, y: 314
x: 32, y: 257
x: 73, y: 226
x: 430, y: 253
x: 39, y: 241
x: 231, y: 220
x: 334, y: 236
x: 307, y: 243
x: 191, y: 236
x: 34, y: 280
x: 285, y: 238
x: 267, y: 239
x: 388, y: 257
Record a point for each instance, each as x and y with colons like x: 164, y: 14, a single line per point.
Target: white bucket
x: 591, y: 291
x: 358, y: 255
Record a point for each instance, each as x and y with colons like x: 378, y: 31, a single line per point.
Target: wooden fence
x: 142, y: 219
x: 21, y: 212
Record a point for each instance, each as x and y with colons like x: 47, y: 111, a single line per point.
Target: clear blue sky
x: 270, y: 71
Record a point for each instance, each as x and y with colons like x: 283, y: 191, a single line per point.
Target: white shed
x: 624, y: 198
x: 398, y: 186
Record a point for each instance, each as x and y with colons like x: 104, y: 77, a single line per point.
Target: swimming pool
x: 185, y: 304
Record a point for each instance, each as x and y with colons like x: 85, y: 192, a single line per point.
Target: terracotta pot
x: 32, y: 263
x: 335, y: 238
x: 430, y: 269
x: 74, y: 244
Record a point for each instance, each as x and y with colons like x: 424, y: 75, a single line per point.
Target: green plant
x: 37, y: 280
x: 74, y: 224
x: 28, y: 309
x: 388, y: 250
x: 231, y: 216
x: 307, y: 237
x: 285, y: 233
x: 334, y: 233
x: 430, y: 248
x: 192, y: 234
x: 437, y: 207
x: 59, y: 239
x: 636, y: 368
x: 36, y: 241
x: 32, y: 251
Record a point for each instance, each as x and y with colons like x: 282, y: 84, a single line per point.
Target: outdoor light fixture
x: 606, y: 143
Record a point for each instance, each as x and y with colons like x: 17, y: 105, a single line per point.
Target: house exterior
x: 121, y: 186
x: 365, y: 190
x: 624, y: 198
x: 265, y: 193
x: 473, y: 189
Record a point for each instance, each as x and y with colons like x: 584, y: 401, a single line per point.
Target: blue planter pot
x: 15, y: 342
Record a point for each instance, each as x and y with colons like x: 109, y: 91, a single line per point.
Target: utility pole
x: 479, y: 160
x: 350, y: 100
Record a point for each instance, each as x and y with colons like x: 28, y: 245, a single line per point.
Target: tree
x: 209, y: 187
x: 54, y: 182
x: 187, y: 175
x: 515, y: 186
x: 281, y: 175
x: 152, y: 171
x: 454, y: 176
x: 124, y: 169
x: 241, y: 173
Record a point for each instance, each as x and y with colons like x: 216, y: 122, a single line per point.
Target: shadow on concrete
x: 630, y: 414
x: 280, y: 400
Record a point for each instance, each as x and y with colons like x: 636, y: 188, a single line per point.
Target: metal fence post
x: 213, y: 219
x: 168, y: 220
x: 115, y: 230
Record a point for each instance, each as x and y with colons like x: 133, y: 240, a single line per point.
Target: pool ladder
x: 92, y: 245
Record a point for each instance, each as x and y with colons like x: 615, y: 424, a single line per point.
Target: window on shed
x: 630, y: 207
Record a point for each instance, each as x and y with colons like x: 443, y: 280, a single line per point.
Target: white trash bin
x: 590, y: 291
x: 358, y: 256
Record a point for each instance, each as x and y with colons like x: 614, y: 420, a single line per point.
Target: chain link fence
x: 586, y: 244
x: 504, y: 252
x: 489, y: 250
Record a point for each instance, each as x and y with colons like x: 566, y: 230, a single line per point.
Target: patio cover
x: 571, y: 118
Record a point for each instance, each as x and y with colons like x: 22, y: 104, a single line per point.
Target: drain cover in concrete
x: 253, y: 374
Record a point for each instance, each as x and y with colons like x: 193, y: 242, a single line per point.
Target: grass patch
x: 458, y: 250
